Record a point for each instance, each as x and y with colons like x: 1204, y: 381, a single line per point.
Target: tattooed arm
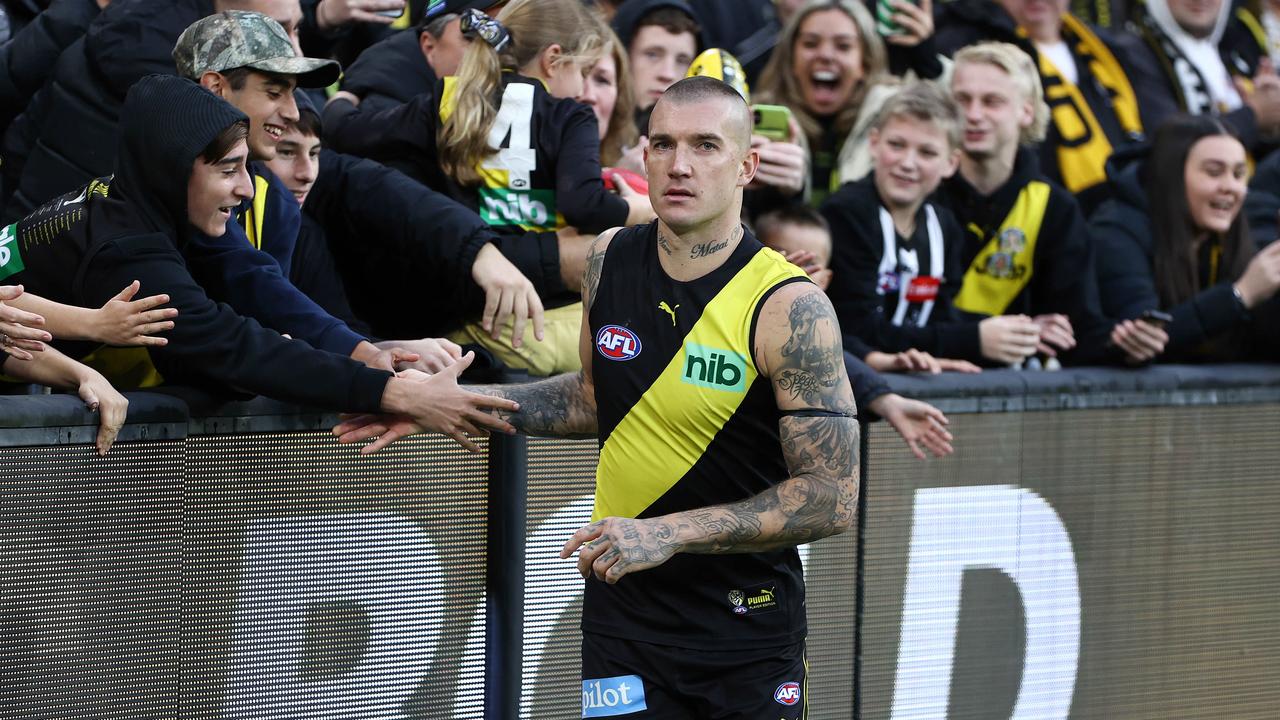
x: 560, y: 406
x: 819, y: 434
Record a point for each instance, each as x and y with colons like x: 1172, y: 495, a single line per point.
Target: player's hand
x: 920, y: 424
x: 614, y: 547
x: 507, y: 294
x: 125, y: 322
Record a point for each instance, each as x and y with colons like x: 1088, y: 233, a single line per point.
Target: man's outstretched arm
x: 800, y: 350
x: 560, y: 406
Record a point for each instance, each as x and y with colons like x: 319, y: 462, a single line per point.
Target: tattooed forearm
x: 819, y: 499
x: 560, y: 406
x: 813, y: 356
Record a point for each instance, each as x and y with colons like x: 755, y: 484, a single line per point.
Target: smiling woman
x: 829, y: 69
x: 1173, y: 239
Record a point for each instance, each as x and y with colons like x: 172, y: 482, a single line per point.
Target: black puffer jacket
x: 390, y: 73
x: 68, y: 134
x: 27, y: 60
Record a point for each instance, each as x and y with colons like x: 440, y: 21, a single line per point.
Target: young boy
x: 895, y: 266
x: 802, y: 236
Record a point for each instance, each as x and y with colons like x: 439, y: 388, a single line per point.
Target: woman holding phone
x: 831, y: 68
x: 1172, y: 239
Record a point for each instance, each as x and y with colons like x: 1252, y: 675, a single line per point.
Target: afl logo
x: 617, y: 343
x: 788, y: 693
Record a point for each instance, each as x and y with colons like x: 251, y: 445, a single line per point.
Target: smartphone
x: 772, y: 121
x: 884, y: 18
x: 390, y: 13
x: 1156, y: 318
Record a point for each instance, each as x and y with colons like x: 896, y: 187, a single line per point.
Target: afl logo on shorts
x: 617, y: 343
x: 788, y: 693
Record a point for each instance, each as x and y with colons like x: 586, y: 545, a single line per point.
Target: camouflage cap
x: 239, y: 38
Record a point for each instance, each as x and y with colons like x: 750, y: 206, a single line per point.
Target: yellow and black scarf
x: 1084, y: 148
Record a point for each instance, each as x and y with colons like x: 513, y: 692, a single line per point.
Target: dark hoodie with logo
x: 866, y: 299
x: 1062, y: 264
x: 83, y: 247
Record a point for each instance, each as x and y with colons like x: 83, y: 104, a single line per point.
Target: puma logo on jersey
x: 664, y: 307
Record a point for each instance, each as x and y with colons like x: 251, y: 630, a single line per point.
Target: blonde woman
x: 830, y: 68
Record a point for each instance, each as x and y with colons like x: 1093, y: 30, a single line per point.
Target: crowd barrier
x: 1102, y: 544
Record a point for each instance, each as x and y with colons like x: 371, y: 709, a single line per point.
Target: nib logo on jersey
x: 714, y: 368
x: 530, y: 209
x: 607, y: 697
x: 617, y: 343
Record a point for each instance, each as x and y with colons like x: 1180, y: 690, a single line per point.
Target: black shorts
x: 635, y: 680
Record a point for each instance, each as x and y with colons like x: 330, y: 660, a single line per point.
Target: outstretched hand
x: 125, y: 322
x: 920, y: 424
x: 436, y: 403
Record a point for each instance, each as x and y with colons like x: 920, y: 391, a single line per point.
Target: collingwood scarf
x: 1198, y: 94
x: 1084, y: 149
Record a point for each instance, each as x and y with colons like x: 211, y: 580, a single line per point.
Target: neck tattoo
x: 664, y: 243
x: 712, y: 247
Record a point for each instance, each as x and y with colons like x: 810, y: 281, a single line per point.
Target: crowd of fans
x: 194, y: 192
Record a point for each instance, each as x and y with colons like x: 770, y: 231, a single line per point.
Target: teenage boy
x: 1026, y: 248
x: 896, y: 265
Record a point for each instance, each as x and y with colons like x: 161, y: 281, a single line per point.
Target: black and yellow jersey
x: 687, y: 421
x: 545, y: 174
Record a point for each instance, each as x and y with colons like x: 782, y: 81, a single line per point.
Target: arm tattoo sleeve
x: 560, y: 406
x: 813, y: 356
x: 819, y: 499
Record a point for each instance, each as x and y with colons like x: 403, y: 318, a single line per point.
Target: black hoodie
x: 1063, y: 264
x: 84, y: 247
